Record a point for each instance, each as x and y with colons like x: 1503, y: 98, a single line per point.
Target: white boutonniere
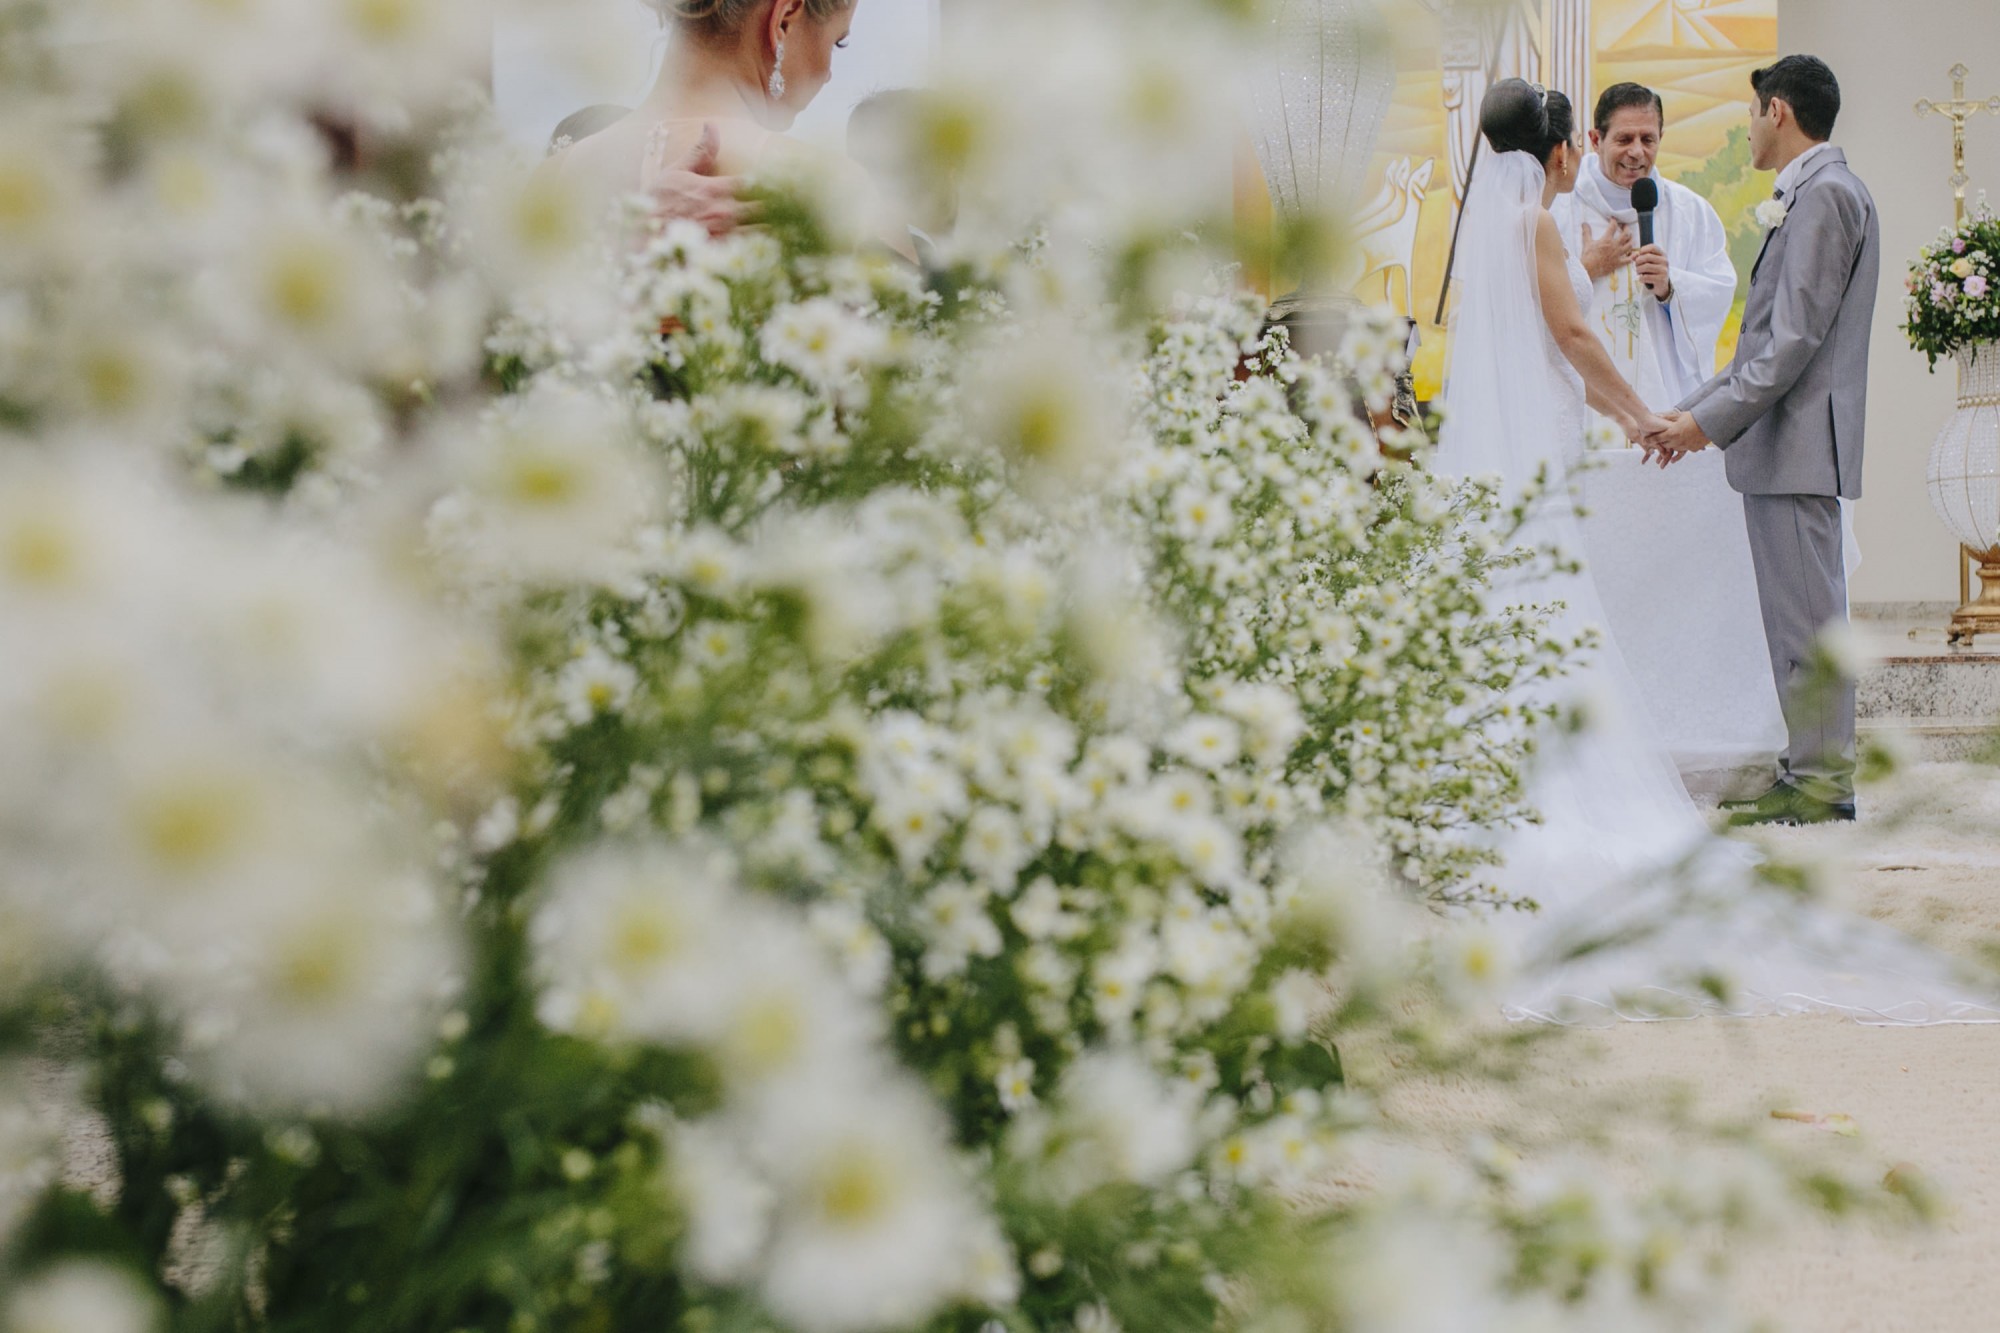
x: 1771, y: 215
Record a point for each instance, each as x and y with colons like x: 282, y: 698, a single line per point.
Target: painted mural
x: 1697, y: 53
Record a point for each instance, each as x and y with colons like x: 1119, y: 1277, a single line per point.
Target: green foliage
x: 1734, y: 188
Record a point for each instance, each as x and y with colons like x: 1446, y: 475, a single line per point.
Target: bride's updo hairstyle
x: 1518, y: 117
x: 724, y: 18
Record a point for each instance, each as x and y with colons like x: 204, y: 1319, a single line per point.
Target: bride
x: 1645, y: 912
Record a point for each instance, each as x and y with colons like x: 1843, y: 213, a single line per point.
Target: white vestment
x: 1664, y: 351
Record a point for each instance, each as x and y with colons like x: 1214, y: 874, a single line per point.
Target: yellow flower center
x: 195, y: 826
x: 544, y: 219
x: 1040, y: 427
x: 301, y: 286
x: 1156, y: 98
x: 86, y: 705
x: 648, y: 934
x: 168, y: 102
x: 856, y: 1190
x: 183, y: 185
x: 951, y: 137
x: 383, y: 20
x: 317, y: 967
x: 41, y: 552
x: 111, y: 378
x: 597, y: 1016
x: 769, y: 1031
x: 540, y: 479
x: 24, y: 196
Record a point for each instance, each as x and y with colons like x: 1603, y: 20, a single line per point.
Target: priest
x: 1658, y: 308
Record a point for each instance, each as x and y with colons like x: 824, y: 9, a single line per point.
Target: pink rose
x: 1958, y: 246
x: 1975, y: 286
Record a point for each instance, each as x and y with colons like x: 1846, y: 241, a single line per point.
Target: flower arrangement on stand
x: 1953, y: 300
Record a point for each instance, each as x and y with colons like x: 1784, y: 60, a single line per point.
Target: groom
x: 1789, y: 411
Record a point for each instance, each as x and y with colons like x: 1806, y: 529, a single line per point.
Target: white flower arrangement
x: 569, y: 785
x: 1771, y: 214
x: 1954, y: 288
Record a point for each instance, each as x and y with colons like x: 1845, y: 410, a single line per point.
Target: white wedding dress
x: 1645, y: 911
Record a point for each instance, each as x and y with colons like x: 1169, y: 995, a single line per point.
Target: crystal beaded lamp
x: 1318, y: 102
x: 1318, y: 97
x: 1964, y: 478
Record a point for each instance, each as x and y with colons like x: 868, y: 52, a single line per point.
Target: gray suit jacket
x: 1791, y: 407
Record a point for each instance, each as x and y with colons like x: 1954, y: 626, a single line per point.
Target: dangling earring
x: 777, y: 85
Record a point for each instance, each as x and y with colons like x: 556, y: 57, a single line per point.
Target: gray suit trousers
x: 1795, y: 544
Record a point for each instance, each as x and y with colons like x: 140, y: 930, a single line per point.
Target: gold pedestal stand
x: 1981, y: 614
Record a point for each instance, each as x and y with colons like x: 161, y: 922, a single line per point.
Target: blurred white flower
x: 825, y: 344
x: 1044, y: 398
x: 594, y: 684
x: 636, y: 942
x: 79, y: 1295
x: 314, y: 635
x: 1016, y: 1085
x: 859, y: 949
x: 553, y: 488
x: 1206, y: 741
x: 1473, y: 963
x: 383, y: 60
x: 330, y: 993
x: 1337, y: 885
x: 996, y: 848
x: 957, y: 928
x: 1121, y: 1121
x: 43, y: 184
x: 311, y: 285
x: 1411, y: 1270
x: 1298, y: 996
x: 729, y: 1207
x: 532, y: 233
x: 790, y: 1027
x: 876, y: 1226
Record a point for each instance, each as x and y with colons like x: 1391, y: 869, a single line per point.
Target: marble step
x: 1963, y: 687
x: 1943, y: 701
x: 1936, y: 741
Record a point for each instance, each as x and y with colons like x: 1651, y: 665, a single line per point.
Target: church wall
x: 1888, y: 56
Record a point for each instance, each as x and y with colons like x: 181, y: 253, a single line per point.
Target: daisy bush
x: 1954, y: 288
x: 594, y: 777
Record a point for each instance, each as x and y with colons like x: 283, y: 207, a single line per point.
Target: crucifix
x: 1958, y: 110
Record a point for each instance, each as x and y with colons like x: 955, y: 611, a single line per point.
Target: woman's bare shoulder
x: 610, y: 160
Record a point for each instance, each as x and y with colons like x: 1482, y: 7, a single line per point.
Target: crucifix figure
x: 1958, y: 111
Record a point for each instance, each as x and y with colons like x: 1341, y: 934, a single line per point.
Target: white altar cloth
x: 1671, y: 559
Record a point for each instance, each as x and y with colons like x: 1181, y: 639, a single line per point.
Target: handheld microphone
x: 1646, y: 198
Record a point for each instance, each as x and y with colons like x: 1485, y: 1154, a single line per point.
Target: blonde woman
x: 736, y: 76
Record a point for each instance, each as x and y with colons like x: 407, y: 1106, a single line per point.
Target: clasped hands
x: 1667, y: 437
